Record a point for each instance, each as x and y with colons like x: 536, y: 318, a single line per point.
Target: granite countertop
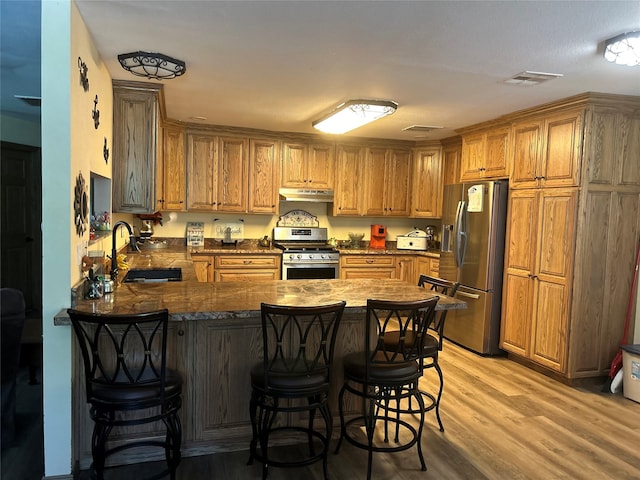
x: 212, y: 247
x: 191, y: 300
x: 391, y: 250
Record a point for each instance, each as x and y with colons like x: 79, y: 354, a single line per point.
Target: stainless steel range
x: 306, y: 254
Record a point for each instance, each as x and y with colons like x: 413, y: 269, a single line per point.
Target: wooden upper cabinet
x: 485, y: 155
x: 547, y: 152
x: 451, y: 154
x: 387, y: 185
x: 374, y: 181
x: 426, y: 201
x: 473, y: 147
x: 398, y: 185
x: 294, y: 165
x: 135, y: 147
x: 202, y: 172
x: 321, y: 167
x: 233, y: 163
x: 349, y: 174
x: 562, y: 150
x: 308, y: 165
x: 173, y: 170
x: 527, y: 151
x: 217, y: 170
x: 264, y: 174
x: 619, y: 132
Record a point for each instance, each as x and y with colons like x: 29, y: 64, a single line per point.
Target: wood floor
x: 502, y: 421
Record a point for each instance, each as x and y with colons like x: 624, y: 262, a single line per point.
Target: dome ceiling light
x: 623, y: 49
x: 152, y: 65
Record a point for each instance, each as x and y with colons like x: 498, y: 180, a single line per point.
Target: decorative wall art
x: 80, y: 205
x: 105, y: 151
x: 84, y: 80
x: 95, y: 114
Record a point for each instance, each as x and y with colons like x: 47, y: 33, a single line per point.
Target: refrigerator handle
x: 460, y: 234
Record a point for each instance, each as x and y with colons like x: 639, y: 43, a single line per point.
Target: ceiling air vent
x: 33, y: 101
x: 420, y: 128
x: 528, y: 78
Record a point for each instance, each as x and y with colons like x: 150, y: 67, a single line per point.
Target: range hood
x: 306, y: 195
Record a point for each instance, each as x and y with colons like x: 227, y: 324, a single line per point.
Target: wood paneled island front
x: 214, y: 339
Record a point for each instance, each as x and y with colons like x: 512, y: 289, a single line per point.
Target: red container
x: 378, y: 236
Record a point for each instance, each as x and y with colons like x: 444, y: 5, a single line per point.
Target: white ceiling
x: 279, y: 65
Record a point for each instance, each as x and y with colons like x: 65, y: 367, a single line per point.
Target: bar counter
x: 214, y: 339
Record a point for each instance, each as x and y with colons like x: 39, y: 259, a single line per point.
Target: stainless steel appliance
x: 472, y: 253
x: 306, y: 254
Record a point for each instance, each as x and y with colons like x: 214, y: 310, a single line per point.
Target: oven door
x: 309, y: 271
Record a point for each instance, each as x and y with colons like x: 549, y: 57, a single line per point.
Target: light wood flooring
x: 502, y: 421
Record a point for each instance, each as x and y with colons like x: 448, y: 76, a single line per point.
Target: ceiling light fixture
x: 353, y: 114
x: 623, y: 49
x: 152, y: 65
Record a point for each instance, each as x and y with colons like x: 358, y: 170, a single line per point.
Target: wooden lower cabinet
x: 538, y: 270
x: 367, y: 266
x: 233, y: 268
x: 427, y: 266
x: 203, y: 265
x: 236, y: 267
x: 407, y: 267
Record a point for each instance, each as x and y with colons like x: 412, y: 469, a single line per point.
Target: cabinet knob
x: 181, y: 333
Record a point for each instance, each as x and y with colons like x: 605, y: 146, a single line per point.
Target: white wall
x: 56, y: 233
x: 70, y: 145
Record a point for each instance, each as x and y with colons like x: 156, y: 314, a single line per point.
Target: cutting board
x: 228, y: 232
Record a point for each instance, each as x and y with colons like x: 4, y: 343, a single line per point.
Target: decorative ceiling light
x: 623, y: 49
x: 353, y: 114
x: 152, y: 65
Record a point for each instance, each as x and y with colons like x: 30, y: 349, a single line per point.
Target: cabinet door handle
x: 247, y: 262
x: 181, y: 333
x: 369, y: 260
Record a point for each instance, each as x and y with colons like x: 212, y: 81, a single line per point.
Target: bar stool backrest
x: 122, y: 351
x: 410, y: 319
x: 298, y: 340
x: 445, y: 287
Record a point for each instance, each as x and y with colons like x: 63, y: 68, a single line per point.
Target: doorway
x: 21, y: 268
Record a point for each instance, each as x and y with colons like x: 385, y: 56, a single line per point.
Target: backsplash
x: 174, y: 224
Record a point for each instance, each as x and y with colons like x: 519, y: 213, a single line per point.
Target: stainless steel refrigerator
x: 472, y: 253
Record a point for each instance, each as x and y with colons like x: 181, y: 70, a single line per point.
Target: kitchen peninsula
x: 215, y: 337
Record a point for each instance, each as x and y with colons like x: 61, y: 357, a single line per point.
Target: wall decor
x: 84, y: 80
x: 105, y: 151
x: 95, y: 114
x: 80, y: 205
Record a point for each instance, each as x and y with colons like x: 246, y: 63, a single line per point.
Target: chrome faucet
x: 114, y: 253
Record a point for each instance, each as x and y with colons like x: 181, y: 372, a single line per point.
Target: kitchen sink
x: 154, y: 275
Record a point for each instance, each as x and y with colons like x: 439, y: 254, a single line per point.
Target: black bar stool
x: 294, y: 376
x: 384, y: 373
x: 432, y: 343
x: 125, y: 370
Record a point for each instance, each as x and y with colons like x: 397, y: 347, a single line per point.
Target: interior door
x: 21, y: 238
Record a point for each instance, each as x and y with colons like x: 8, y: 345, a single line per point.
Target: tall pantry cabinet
x: 572, y: 229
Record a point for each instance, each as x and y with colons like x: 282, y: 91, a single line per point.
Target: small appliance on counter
x: 416, y: 239
x: 378, y: 236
